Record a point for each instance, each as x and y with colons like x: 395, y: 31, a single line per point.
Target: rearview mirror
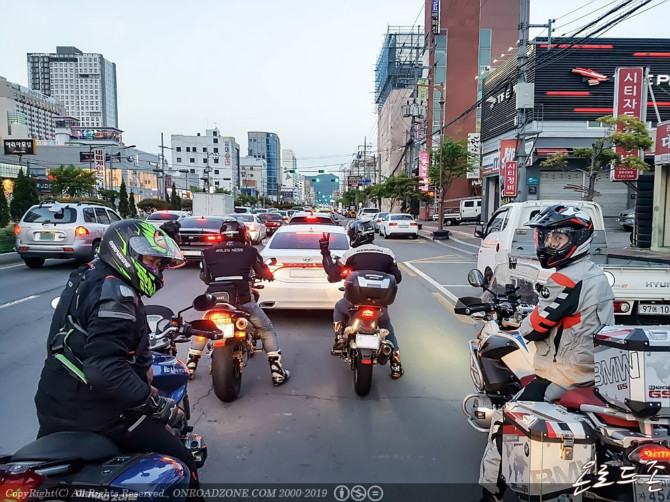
x: 479, y: 231
x: 204, y: 302
x: 475, y: 278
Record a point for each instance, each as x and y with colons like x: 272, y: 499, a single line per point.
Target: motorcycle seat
x: 86, y: 446
x: 574, y: 398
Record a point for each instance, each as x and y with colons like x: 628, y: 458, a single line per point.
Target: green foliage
x: 124, y: 206
x: 131, y: 205
x: 187, y: 204
x: 7, y: 239
x: 556, y: 160
x: 453, y: 160
x: 222, y: 190
x: 109, y: 196
x: 400, y: 188
x: 4, y: 208
x: 175, y: 200
x: 72, y: 181
x: 149, y: 205
x: 24, y: 196
x: 74, y: 200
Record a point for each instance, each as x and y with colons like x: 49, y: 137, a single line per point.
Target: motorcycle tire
x: 226, y: 375
x: 362, y: 377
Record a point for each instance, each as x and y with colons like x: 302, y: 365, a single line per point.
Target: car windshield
x: 48, y: 215
x: 307, y: 240
x: 206, y: 223
x: 381, y: 215
x: 369, y: 211
x: 241, y: 210
x: 159, y: 215
x: 401, y: 217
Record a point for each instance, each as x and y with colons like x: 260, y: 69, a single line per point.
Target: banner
x: 662, y: 153
x: 423, y: 170
x: 99, y: 156
x: 474, y: 149
x: 510, y: 179
x: 630, y: 93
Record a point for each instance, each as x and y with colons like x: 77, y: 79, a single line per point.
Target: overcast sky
x: 303, y: 69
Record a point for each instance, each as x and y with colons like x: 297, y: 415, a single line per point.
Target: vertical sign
x: 474, y: 149
x: 423, y: 170
x: 662, y: 153
x: 506, y: 165
x: 422, y: 91
x: 630, y: 98
x: 510, y: 179
x: 435, y: 17
x: 99, y: 156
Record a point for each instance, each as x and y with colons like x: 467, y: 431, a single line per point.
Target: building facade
x: 253, y: 176
x: 84, y: 82
x: 266, y: 146
x: 27, y: 114
x: 290, y: 176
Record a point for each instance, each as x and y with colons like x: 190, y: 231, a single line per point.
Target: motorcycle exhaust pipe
x: 385, y: 352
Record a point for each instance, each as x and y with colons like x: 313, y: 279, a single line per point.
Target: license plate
x: 47, y: 236
x: 367, y: 341
x: 227, y: 329
x: 188, y: 252
x: 653, y: 308
x: 642, y: 490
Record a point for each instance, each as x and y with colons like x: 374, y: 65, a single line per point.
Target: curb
x: 11, y: 257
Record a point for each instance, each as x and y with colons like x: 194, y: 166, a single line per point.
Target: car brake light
x: 214, y: 238
x: 621, y: 307
x: 17, y: 229
x: 649, y: 453
x: 368, y: 314
x: 393, y: 224
x: 80, y: 231
x: 413, y: 224
x: 252, y: 228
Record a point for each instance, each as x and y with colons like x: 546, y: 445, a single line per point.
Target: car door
x: 103, y: 221
x: 490, y: 251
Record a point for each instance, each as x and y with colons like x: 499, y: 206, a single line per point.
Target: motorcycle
x: 84, y: 465
x: 366, y: 345
x: 624, y: 439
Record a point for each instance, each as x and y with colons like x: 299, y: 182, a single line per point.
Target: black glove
x: 162, y: 409
x: 324, y: 242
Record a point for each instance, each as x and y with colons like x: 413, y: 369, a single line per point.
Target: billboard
x: 19, y: 147
x: 99, y: 156
x: 662, y: 154
x: 630, y: 92
x: 509, y: 179
x: 423, y: 170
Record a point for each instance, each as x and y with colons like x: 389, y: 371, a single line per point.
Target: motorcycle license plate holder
x: 228, y: 330
x: 367, y: 341
x: 644, y: 484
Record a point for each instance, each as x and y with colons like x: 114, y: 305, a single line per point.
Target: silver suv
x: 62, y: 230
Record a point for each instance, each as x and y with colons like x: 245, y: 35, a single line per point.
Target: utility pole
x: 521, y: 107
x: 164, y: 182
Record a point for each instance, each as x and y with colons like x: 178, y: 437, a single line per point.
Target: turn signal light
x: 368, y: 314
x: 240, y: 334
x: 200, y: 339
x: 80, y: 231
x: 17, y: 229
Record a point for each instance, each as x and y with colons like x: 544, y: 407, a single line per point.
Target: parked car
x: 157, y: 218
x: 398, y: 224
x: 300, y: 280
x: 311, y: 218
x: 62, y: 231
x: 256, y: 228
x: 367, y: 213
x: 198, y: 233
x: 272, y: 221
x: 377, y: 219
x: 626, y: 220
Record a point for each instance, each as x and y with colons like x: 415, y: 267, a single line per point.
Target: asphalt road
x: 314, y: 429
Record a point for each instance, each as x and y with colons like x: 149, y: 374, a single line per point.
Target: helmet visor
x: 553, y: 240
x: 158, y: 244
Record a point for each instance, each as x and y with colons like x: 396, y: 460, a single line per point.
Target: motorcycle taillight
x: 16, y: 487
x: 650, y: 453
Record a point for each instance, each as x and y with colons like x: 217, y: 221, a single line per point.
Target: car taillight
x: 413, y: 224
x: 252, y: 228
x: 214, y: 238
x: 80, y: 231
x: 393, y: 224
x: 649, y: 453
x: 368, y: 314
x: 17, y: 229
x: 621, y: 307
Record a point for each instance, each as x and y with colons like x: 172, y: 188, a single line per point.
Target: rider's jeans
x: 263, y: 326
x: 341, y: 313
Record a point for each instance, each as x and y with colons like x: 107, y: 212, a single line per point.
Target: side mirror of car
x: 479, y: 231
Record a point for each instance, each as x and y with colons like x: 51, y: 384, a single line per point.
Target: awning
x: 546, y: 152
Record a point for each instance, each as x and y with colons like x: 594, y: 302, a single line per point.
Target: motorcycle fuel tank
x: 170, y: 375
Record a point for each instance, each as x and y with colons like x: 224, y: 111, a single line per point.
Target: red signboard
x: 423, y: 170
x: 662, y: 153
x: 629, y: 95
x: 509, y: 189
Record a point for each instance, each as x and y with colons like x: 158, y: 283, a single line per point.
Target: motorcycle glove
x: 324, y: 243
x: 162, y: 409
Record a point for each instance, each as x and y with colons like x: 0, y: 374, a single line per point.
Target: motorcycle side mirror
x: 54, y: 302
x: 271, y: 261
x: 204, y: 302
x: 475, y: 278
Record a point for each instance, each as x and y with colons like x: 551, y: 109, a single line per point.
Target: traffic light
x: 321, y: 171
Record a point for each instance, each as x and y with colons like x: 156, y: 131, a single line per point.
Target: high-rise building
x: 27, y: 114
x: 266, y: 145
x: 290, y: 176
x: 84, y: 82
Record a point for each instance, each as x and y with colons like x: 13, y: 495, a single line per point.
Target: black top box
x: 367, y: 287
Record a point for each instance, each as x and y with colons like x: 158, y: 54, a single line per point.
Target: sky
x: 303, y: 69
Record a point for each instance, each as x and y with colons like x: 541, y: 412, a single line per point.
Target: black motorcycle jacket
x: 366, y: 257
x: 112, y: 348
x: 233, y: 262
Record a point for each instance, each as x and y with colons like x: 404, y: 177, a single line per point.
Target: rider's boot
x: 340, y: 341
x: 279, y: 374
x: 396, y: 365
x: 192, y: 361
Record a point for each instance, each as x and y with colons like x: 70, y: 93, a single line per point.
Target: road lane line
x: 12, y: 266
x: 406, y: 269
x: 432, y: 281
x: 450, y: 308
x: 9, y: 304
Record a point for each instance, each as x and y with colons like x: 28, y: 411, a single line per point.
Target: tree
x: 109, y: 196
x: 25, y: 195
x: 453, y: 160
x: 400, y: 188
x: 131, y: 205
x: 624, y: 131
x: 4, y: 208
x: 124, y: 206
x: 72, y: 181
x: 175, y: 199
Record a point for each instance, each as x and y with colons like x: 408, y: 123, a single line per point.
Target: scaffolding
x: 399, y: 63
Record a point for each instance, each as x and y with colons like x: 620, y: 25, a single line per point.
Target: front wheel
x: 226, y: 374
x: 362, y: 376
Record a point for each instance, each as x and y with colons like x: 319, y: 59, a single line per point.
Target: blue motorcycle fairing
x: 155, y: 477
x: 170, y: 376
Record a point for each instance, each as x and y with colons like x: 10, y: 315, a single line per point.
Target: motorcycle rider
x: 576, y: 300
x: 235, y: 258
x: 363, y: 255
x: 97, y: 373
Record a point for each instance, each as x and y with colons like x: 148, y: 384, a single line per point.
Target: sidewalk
x: 7, y: 258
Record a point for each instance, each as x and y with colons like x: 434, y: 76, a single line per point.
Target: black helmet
x: 234, y: 230
x: 126, y: 242
x: 360, y: 232
x: 568, y: 221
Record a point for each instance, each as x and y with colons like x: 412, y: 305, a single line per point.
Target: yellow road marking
x: 450, y: 308
x: 406, y: 269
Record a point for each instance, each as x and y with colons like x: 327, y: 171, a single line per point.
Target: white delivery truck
x: 213, y: 204
x: 469, y: 210
x: 641, y: 285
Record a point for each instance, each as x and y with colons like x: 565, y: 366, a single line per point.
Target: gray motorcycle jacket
x: 573, y: 304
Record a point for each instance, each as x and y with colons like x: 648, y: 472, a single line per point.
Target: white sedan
x: 256, y: 228
x: 398, y: 224
x: 300, y: 280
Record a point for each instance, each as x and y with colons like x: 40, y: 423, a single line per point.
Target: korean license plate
x: 653, y: 309
x: 228, y: 330
x: 47, y: 236
x: 189, y: 252
x: 367, y: 341
x: 642, y: 489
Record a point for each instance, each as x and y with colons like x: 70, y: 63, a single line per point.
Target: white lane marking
x: 432, y: 281
x: 12, y: 266
x: 9, y: 304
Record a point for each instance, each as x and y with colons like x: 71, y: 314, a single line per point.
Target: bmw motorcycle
x: 87, y: 466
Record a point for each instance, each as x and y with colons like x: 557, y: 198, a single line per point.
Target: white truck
x: 507, y: 252
x: 468, y: 210
x: 213, y: 204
